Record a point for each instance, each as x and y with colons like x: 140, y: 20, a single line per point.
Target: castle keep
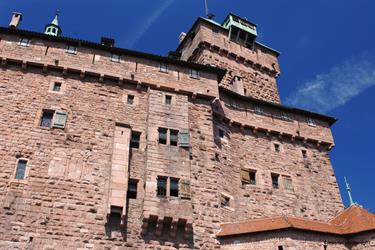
x: 108, y: 148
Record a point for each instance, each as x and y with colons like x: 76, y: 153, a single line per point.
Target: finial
x: 349, y: 193
x: 57, y: 12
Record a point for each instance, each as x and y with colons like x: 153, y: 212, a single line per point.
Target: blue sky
x: 327, y: 56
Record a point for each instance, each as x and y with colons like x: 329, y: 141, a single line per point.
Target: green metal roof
x: 240, y: 23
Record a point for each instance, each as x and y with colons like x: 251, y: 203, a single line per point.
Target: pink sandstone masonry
x: 134, y: 156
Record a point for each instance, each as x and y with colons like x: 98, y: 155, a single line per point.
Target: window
x: 57, y: 87
x: 164, y: 67
x: 71, y: 49
x: 168, y: 99
x: 275, y: 180
x: 21, y: 169
x: 174, y: 187
x: 311, y: 122
x: 224, y: 200
x: 194, y: 74
x: 221, y: 133
x: 54, y: 30
x: 163, y: 135
x: 280, y: 248
x: 277, y: 147
x: 24, y: 42
x: 47, y: 117
x: 130, y: 99
x: 285, y: 116
x: 115, y: 58
x: 304, y: 153
x: 258, y: 110
x: 162, y: 186
x: 53, y: 119
x: 287, y: 180
x: 132, y: 189
x: 173, y: 137
x: 135, y: 138
x: 248, y: 176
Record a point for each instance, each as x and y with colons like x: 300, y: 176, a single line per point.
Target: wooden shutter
x: 245, y: 176
x: 184, y: 189
x: 59, y: 119
x: 184, y: 138
x: 288, y: 183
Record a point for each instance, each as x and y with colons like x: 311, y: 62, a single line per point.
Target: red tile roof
x: 354, y: 219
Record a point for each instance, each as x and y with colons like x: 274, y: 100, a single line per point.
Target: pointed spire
x: 53, y: 28
x: 349, y: 193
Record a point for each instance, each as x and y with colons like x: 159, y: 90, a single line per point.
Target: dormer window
x: 194, y: 74
x: 311, y: 122
x: 115, y: 58
x: 164, y: 67
x: 71, y: 49
x: 25, y: 42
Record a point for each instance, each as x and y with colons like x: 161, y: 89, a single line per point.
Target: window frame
x: 168, y: 100
x: 130, y: 99
x: 277, y: 184
x: 53, y: 123
x: 130, y: 193
x: 59, y: 87
x: 159, y: 192
x: 177, y: 181
x: 25, y: 170
x: 311, y: 122
x: 47, y: 111
x: 175, y: 135
x: 194, y: 76
x: 160, y: 138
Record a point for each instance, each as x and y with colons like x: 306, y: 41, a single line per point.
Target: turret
x: 53, y: 29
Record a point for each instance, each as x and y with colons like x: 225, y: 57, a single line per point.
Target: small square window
x: 194, y: 74
x: 57, y: 87
x: 258, y: 110
x: 174, y: 187
x: 173, y: 137
x: 248, y: 176
x: 280, y: 248
x: 21, y: 169
x: 304, y: 153
x: 24, y: 42
x: 311, y: 122
x: 163, y: 135
x: 71, y: 49
x: 135, y: 139
x: 224, y: 201
x: 162, y: 186
x: 285, y: 116
x: 46, y: 120
x: 277, y: 147
x: 115, y: 58
x: 164, y: 67
x: 132, y: 189
x: 130, y: 99
x: 275, y: 180
x: 168, y: 99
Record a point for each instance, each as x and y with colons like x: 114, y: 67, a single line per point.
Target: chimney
x: 181, y: 37
x: 107, y: 41
x: 16, y: 20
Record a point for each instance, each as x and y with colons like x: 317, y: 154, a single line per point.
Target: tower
x: 53, y: 29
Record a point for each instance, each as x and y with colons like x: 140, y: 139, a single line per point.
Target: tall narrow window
x: 132, y: 189
x: 168, y: 99
x: 57, y: 87
x: 174, y: 187
x: 47, y: 117
x: 275, y: 180
x: 162, y: 186
x: 135, y: 139
x: 221, y: 133
x: 194, y: 74
x: 164, y: 67
x: 173, y: 137
x: 304, y: 153
x: 277, y: 147
x: 115, y: 58
x: 163, y: 135
x: 21, y: 169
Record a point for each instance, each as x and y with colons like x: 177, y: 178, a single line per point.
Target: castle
x: 108, y: 148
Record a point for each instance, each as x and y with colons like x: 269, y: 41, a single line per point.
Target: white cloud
x: 330, y: 90
x: 147, y: 22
